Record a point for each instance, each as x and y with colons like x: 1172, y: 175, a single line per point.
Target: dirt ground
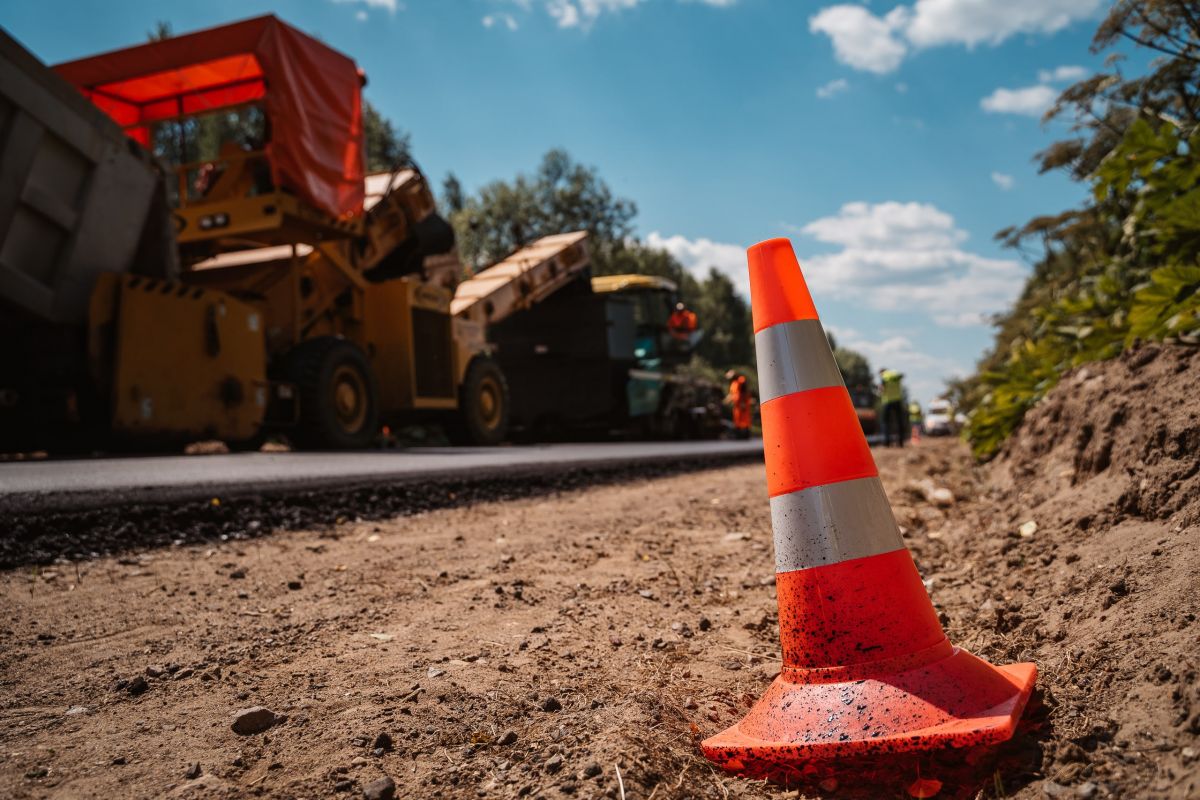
x: 580, y: 643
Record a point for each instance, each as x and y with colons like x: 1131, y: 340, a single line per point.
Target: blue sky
x: 888, y: 140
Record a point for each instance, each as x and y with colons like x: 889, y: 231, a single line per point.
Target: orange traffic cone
x: 866, y: 666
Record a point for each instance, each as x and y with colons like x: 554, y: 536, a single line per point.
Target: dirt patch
x: 581, y: 642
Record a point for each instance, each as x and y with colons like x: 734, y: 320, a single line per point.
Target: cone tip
x: 778, y: 292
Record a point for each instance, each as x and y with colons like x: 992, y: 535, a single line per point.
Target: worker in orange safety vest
x: 682, y: 322
x: 740, y: 400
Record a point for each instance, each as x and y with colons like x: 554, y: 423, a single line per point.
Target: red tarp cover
x: 311, y: 95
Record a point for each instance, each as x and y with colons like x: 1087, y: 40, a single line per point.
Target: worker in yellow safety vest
x: 891, y: 394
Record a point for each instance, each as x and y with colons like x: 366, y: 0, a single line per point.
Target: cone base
x: 956, y: 701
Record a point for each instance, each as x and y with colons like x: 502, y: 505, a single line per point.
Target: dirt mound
x: 1088, y: 565
x: 1122, y: 436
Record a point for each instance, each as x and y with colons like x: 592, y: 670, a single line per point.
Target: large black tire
x: 339, y: 399
x: 483, y: 406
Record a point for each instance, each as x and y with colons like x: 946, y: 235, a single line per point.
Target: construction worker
x: 740, y: 400
x: 914, y: 421
x: 682, y: 323
x: 891, y: 394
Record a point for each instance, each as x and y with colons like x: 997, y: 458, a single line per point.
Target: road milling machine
x: 267, y: 284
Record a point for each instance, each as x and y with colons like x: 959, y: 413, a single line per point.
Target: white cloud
x: 1063, y: 73
x: 582, y: 14
x: 861, y: 39
x: 1004, y: 181
x: 892, y: 257
x: 390, y: 6
x: 923, y: 372
x: 833, y: 87
x: 1032, y: 101
x: 699, y: 255
x: 908, y: 257
x: 507, y: 20
x: 361, y: 16
x: 971, y: 22
x: 878, y: 44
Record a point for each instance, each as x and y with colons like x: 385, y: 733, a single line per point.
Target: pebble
x: 1086, y: 790
x: 592, y: 770
x: 554, y: 764
x: 343, y: 786
x: 154, y: 671
x: 383, y: 743
x: 382, y: 789
x: 509, y: 737
x: 250, y: 721
x: 295, y: 585
x: 1052, y: 789
x: 433, y: 672
x: 193, y: 771
x: 237, y: 574
x: 137, y: 686
x: 358, y: 761
x: 76, y: 710
x: 551, y: 704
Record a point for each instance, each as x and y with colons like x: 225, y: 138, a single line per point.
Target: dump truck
x: 588, y: 356
x: 265, y: 285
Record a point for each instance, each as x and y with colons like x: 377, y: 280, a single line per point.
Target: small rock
x: 343, y: 786
x: 193, y: 771
x: 1086, y: 790
x: 383, y: 742
x: 37, y: 772
x: 237, y: 574
x: 76, y: 710
x: 118, y: 761
x: 705, y: 624
x: 509, y: 737
x: 433, y: 672
x: 1052, y: 789
x: 295, y: 586
x: 137, y: 686
x: 551, y: 704
x: 155, y: 671
x: 554, y: 764
x: 1027, y: 529
x: 646, y: 593
x: 592, y: 770
x: 941, y: 496
x: 731, y: 664
x: 382, y: 789
x: 250, y: 721
x: 186, y: 672
x: 358, y: 761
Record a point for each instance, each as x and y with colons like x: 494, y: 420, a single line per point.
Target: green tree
x: 1123, y: 267
x: 387, y: 147
x: 562, y: 195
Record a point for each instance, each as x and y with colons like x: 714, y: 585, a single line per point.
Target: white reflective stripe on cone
x: 831, y: 523
x: 794, y: 357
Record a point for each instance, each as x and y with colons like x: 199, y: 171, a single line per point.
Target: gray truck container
x: 77, y: 197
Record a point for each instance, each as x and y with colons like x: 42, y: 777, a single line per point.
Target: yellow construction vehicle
x: 302, y: 295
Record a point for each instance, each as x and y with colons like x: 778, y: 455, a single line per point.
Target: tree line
x: 1125, y: 267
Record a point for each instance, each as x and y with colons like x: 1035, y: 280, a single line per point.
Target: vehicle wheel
x: 339, y: 407
x: 483, y: 405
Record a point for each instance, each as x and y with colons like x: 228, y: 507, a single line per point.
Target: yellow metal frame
x: 183, y: 360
